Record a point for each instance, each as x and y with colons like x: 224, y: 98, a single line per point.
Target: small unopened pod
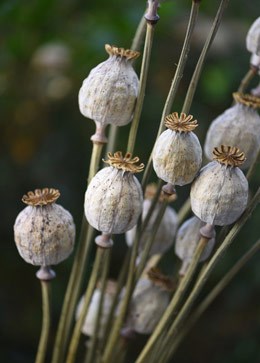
x: 253, y: 38
x: 239, y: 125
x: 177, y: 153
x: 187, y: 239
x: 114, y: 197
x: 44, y: 231
x: 109, y: 93
x: 149, y: 301
x: 88, y: 327
x: 219, y: 194
x: 165, y: 234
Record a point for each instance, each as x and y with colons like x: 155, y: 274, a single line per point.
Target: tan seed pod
x: 114, y: 198
x: 147, y: 306
x: 177, y: 153
x: 166, y: 232
x: 90, y: 319
x: 239, y: 125
x: 44, y: 231
x: 187, y: 239
x: 219, y: 194
x: 108, y: 94
x: 253, y: 38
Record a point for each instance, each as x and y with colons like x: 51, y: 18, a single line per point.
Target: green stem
x: 42, y: 347
x: 139, y: 35
x: 253, y: 167
x: 113, y: 132
x: 184, y: 211
x: 175, y: 82
x: 183, y: 313
x: 142, y: 86
x: 196, y: 75
x: 100, y: 254
x: 77, y: 273
x: 90, y: 357
x: 247, y: 79
x: 170, y: 311
x: 203, y: 306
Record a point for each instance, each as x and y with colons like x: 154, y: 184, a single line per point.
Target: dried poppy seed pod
x: 219, y: 194
x: 114, y: 198
x: 253, y: 38
x: 177, y: 153
x: 187, y: 239
x: 90, y: 319
x: 149, y: 301
x: 108, y: 94
x: 239, y: 125
x: 166, y: 232
x: 44, y: 231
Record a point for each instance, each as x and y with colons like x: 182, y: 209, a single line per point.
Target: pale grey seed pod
x: 239, y: 125
x: 114, y: 198
x: 165, y: 234
x: 177, y: 153
x: 44, y: 231
x: 219, y: 194
x: 90, y: 319
x: 147, y: 306
x: 109, y: 93
x: 253, y: 37
x: 187, y: 239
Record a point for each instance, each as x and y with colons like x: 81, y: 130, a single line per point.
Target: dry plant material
x: 219, y: 194
x: 44, y: 231
x: 239, y: 125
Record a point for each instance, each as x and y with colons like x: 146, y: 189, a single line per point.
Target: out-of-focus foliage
x: 47, y: 47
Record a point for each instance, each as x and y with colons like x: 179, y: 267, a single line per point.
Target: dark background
x: 44, y: 141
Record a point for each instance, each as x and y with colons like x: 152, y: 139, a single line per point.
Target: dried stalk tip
x: 41, y: 197
x: 229, y: 155
x: 121, y: 52
x: 247, y: 100
x: 165, y: 282
x: 126, y: 163
x: 182, y: 123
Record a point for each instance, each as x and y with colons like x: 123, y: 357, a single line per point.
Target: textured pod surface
x: 89, y: 322
x: 253, y: 37
x: 165, y: 234
x: 177, y: 157
x: 187, y: 239
x: 44, y: 235
x: 108, y: 94
x: 219, y: 194
x: 147, y: 306
x: 238, y: 126
x: 113, y: 201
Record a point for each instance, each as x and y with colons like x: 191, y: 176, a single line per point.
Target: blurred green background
x: 47, y: 48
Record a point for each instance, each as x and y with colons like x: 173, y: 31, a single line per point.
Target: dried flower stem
x: 197, y: 72
x: 139, y: 35
x: 42, y: 347
x: 94, y: 339
x: 251, y: 73
x: 169, y: 313
x: 203, y: 306
x: 183, y: 313
x: 77, y: 272
x: 100, y: 255
x: 175, y: 82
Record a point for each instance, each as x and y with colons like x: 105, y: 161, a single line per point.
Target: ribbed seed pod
x: 187, y: 239
x: 114, y: 198
x: 239, y: 125
x: 149, y: 301
x: 108, y: 94
x: 89, y: 322
x: 166, y: 232
x: 44, y: 231
x: 177, y: 153
x: 219, y: 194
x: 253, y: 38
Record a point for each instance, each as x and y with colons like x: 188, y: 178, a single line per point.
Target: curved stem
x: 247, y: 79
x: 42, y: 347
x: 87, y: 297
x: 139, y: 35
